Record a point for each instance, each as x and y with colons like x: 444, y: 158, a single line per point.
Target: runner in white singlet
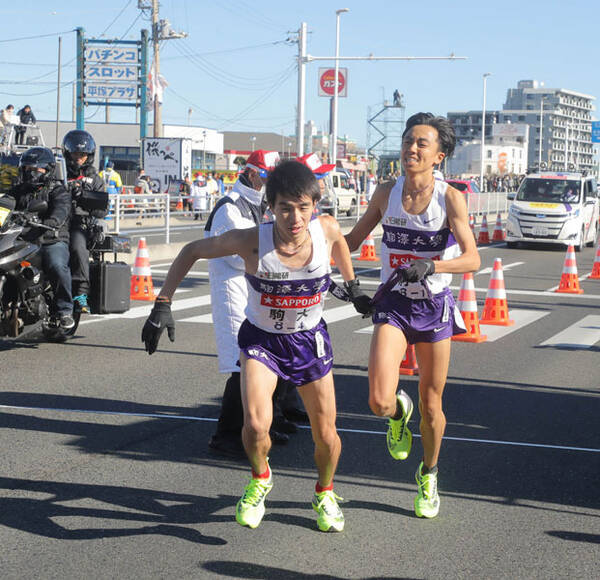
x: 287, y: 271
x: 426, y: 233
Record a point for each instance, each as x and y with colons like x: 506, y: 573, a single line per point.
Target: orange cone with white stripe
x: 498, y: 235
x: 367, y: 250
x: 569, y: 281
x: 409, y: 365
x: 141, y: 277
x: 484, y: 234
x: 595, y: 275
x: 495, y: 310
x: 467, y: 304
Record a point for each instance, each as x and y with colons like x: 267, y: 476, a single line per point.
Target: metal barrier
x: 135, y: 206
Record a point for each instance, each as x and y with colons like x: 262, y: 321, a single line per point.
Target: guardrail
x: 163, y: 207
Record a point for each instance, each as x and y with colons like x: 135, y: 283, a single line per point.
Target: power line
x: 230, y: 50
x: 117, y: 17
x: 36, y: 36
x: 36, y: 94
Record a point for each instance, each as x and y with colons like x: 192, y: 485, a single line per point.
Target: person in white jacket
x: 241, y: 208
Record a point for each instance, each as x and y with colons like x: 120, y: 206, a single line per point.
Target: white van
x: 339, y: 193
x: 555, y: 208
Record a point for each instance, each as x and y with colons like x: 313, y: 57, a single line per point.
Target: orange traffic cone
x: 484, y: 234
x: 467, y: 304
x: 367, y: 250
x: 141, y: 278
x: 498, y: 235
x: 332, y: 261
x: 569, y: 281
x: 409, y: 365
x: 495, y: 310
x: 595, y: 275
x: 179, y: 206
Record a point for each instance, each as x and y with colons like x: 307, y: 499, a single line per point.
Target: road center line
x: 343, y: 430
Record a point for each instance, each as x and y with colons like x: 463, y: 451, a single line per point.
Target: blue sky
x: 242, y: 74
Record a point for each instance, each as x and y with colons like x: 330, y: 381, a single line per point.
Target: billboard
x: 111, y: 71
x: 166, y: 159
x: 327, y: 84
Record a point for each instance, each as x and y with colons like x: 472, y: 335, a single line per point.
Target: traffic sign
x: 327, y: 83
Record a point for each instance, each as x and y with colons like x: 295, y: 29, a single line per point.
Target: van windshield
x: 549, y: 190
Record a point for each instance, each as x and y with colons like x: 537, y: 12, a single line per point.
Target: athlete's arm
x: 371, y: 217
x: 339, y: 246
x: 241, y: 242
x: 341, y: 255
x: 469, y: 260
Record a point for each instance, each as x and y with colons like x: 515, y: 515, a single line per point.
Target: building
x: 120, y: 142
x: 505, y: 151
x: 562, y: 116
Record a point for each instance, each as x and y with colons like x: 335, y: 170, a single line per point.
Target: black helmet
x: 40, y: 157
x: 78, y: 141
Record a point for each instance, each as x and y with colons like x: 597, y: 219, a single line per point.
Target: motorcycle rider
x: 37, y: 182
x: 79, y: 149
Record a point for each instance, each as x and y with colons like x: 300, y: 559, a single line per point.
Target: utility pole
x: 161, y: 30
x: 157, y: 124
x: 301, y: 88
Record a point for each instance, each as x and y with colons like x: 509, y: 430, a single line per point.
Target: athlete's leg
x: 258, y: 385
x: 434, y: 360
x: 388, y: 346
x: 319, y: 401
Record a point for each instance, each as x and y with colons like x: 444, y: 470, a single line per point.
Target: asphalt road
x: 106, y: 470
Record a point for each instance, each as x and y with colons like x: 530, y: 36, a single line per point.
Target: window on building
x: 489, y: 153
x: 521, y: 117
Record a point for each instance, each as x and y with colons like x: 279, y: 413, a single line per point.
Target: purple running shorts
x: 300, y: 357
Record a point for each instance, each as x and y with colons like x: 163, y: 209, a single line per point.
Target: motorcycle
x: 25, y: 292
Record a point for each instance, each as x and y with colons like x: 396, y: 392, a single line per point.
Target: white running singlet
x: 284, y: 301
x: 408, y: 237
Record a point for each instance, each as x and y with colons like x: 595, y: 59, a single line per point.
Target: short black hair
x: 294, y: 180
x: 446, y: 134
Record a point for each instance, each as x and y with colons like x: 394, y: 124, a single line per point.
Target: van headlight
x: 513, y: 211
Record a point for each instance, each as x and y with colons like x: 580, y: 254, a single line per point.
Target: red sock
x: 264, y: 475
x: 319, y: 489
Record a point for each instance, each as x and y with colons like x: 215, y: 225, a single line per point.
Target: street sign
x: 327, y: 83
x: 111, y: 72
x: 595, y: 131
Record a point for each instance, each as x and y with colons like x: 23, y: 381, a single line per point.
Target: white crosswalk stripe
x: 583, y: 334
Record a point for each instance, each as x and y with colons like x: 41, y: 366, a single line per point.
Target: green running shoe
x: 427, y: 502
x: 250, y: 510
x: 399, y: 437
x: 330, y: 514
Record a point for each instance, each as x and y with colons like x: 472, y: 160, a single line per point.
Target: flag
x: 155, y: 87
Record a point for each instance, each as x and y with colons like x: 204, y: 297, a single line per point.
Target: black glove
x: 418, y: 270
x: 360, y: 301
x: 159, y: 319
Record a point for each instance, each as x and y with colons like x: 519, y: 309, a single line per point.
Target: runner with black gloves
x: 426, y: 238
x: 287, y: 274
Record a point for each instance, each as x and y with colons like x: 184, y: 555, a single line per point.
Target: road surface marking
x: 583, y: 334
x: 504, y: 268
x: 305, y: 427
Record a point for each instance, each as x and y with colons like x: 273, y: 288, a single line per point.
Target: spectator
x: 111, y: 178
x: 212, y: 188
x: 6, y: 122
x: 142, y: 187
x: 199, y: 196
x: 26, y: 117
